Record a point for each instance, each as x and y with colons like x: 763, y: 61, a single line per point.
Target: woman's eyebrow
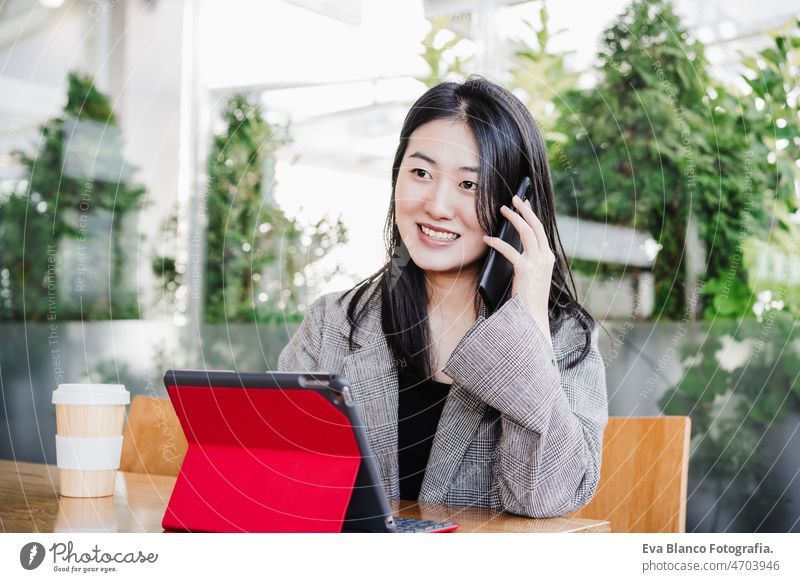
x: 432, y: 162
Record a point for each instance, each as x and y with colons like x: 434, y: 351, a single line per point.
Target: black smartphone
x: 494, y: 282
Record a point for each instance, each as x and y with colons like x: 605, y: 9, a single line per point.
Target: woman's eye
x: 419, y: 172
x: 469, y: 185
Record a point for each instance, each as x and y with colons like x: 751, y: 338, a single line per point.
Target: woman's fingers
x: 530, y: 217
x: 526, y: 234
x: 503, y: 248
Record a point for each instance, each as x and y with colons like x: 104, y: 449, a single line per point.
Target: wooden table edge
x: 409, y: 508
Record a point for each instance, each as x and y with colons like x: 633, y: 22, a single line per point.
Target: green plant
x: 440, y: 55
x: 755, y: 147
x: 632, y: 139
x: 774, y: 114
x: 773, y: 104
x: 169, y: 274
x: 730, y: 202
x: 541, y: 76
x: 658, y: 141
x: 25, y: 239
x: 751, y: 231
x: 78, y: 186
x: 257, y: 259
x: 728, y: 296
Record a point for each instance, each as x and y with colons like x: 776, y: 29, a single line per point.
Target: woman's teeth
x: 438, y: 235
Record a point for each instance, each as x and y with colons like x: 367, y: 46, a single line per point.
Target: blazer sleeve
x: 302, y: 353
x: 548, y: 456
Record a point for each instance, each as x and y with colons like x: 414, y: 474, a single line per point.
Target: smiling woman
x: 504, y: 410
x: 435, y: 201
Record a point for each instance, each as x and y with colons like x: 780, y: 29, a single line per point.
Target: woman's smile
x: 437, y: 238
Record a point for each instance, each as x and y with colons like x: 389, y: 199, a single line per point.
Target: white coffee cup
x: 89, y: 419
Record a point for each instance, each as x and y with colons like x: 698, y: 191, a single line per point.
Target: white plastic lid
x: 102, y: 394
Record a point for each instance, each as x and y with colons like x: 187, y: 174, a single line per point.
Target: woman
x: 506, y: 410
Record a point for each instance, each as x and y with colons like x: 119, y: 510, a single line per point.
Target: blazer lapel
x: 372, y: 373
x: 373, y: 377
x: 461, y: 417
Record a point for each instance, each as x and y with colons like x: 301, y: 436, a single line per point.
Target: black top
x: 420, y: 406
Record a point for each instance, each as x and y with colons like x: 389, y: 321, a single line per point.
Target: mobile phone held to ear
x: 494, y: 283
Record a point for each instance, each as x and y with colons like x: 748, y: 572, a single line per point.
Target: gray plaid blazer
x: 519, y: 432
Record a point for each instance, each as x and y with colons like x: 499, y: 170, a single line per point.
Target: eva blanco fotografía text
x: 735, y: 550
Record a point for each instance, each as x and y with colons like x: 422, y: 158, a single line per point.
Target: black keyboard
x: 410, y: 525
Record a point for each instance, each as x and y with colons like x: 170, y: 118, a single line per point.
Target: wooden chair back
x: 153, y: 440
x: 643, y: 476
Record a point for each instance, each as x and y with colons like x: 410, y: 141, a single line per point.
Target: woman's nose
x: 440, y: 202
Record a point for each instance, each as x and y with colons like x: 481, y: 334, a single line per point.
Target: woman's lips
x: 433, y: 242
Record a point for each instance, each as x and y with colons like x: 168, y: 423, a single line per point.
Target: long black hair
x: 510, y: 147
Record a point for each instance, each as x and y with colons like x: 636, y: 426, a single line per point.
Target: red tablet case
x: 261, y: 460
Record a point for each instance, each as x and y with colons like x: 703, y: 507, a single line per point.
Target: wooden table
x: 29, y: 502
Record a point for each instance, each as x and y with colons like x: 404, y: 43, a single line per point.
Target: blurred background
x: 179, y: 179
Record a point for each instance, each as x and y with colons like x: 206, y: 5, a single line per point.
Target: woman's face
x: 435, y: 198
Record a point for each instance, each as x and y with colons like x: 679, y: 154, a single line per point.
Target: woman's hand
x: 533, y: 269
